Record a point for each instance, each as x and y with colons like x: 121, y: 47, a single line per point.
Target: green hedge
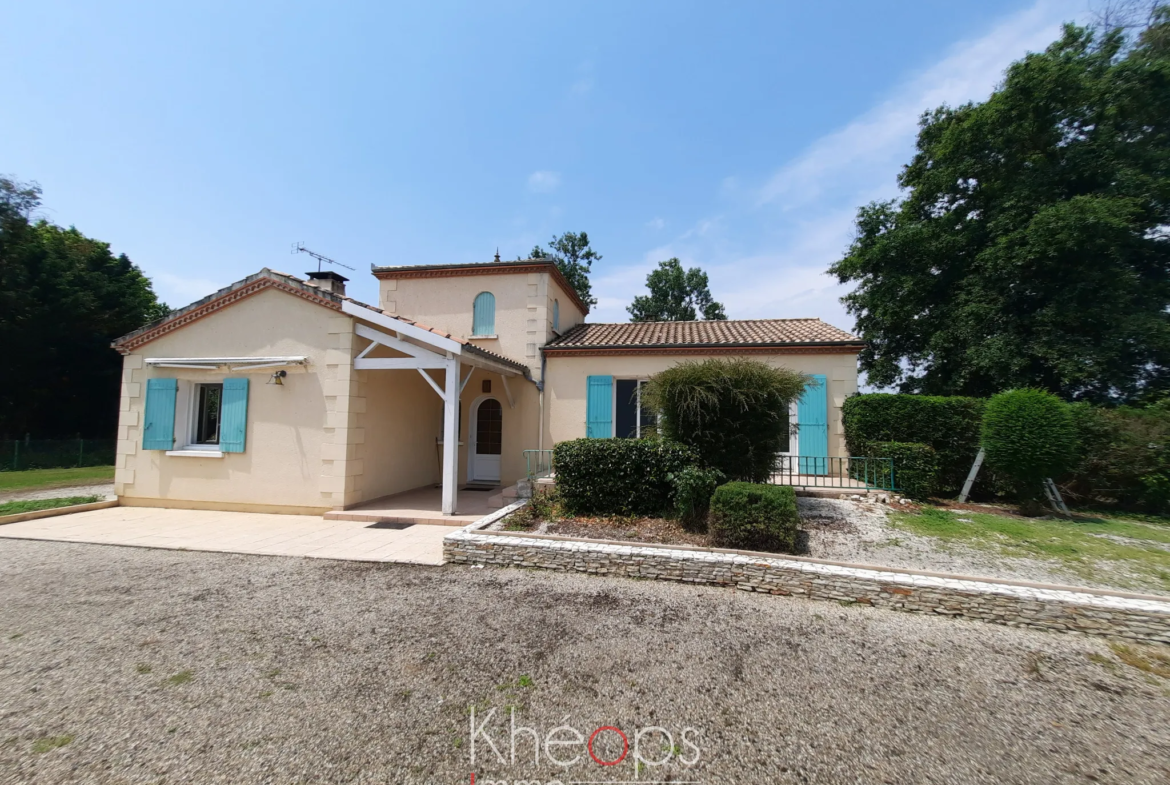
x: 1123, y: 457
x: 619, y: 476
x: 915, y: 467
x: 949, y: 424
x: 754, y: 517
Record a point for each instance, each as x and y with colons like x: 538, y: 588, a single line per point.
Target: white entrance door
x: 487, y: 428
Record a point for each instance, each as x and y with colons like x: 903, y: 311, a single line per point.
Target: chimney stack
x: 328, y: 281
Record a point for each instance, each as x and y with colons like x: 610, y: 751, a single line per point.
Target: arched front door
x: 487, y: 432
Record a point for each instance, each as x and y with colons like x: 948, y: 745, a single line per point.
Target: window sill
x: 195, y: 453
x: 482, y: 337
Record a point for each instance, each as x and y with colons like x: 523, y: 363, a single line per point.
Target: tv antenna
x: 300, y: 248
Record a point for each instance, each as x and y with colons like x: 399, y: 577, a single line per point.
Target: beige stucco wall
x: 570, y: 314
x: 282, y: 465
x: 524, y: 309
x: 566, y: 380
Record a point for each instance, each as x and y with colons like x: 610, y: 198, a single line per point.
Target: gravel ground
x: 129, y: 665
x: 105, y: 489
x: 859, y: 532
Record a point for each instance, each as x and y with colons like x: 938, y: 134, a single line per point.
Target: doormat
x: 480, y: 488
x: 390, y: 525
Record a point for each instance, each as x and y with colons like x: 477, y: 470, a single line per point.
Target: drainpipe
x: 540, y: 387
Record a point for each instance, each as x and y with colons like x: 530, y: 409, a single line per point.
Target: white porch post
x: 451, y: 436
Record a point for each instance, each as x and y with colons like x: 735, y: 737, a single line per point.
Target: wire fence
x: 21, y: 454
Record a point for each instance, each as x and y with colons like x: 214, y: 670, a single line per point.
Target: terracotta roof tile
x: 743, y: 332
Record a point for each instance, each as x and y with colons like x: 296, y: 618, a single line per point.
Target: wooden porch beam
x: 396, y: 363
x: 508, y: 392
x: 451, y: 437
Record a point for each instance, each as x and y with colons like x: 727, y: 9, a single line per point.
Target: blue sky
x: 203, y: 140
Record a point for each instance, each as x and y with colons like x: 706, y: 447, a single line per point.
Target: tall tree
x: 1031, y: 247
x: 574, y: 256
x: 676, y: 295
x: 63, y: 298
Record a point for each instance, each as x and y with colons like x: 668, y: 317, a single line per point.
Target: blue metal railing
x: 539, y: 463
x: 804, y: 471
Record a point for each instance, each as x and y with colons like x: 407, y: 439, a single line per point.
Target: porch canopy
x: 428, y: 349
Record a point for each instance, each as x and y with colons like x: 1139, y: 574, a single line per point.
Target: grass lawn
x: 54, y: 478
x: 1135, y: 551
x: 32, y: 505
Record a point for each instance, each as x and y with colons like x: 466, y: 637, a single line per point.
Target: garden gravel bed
x: 860, y: 532
x: 132, y: 665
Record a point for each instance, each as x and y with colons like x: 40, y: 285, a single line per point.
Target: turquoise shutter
x: 812, y: 417
x: 484, y: 314
x: 158, y: 423
x: 599, y: 407
x: 233, y: 417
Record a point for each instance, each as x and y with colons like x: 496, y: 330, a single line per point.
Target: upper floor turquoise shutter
x: 484, y: 314
x: 812, y: 417
x: 158, y: 423
x: 233, y: 418
x: 599, y: 407
x: 557, y: 315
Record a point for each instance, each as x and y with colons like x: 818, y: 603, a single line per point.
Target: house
x: 281, y: 394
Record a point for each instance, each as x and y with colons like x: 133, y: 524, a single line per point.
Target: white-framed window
x: 631, y: 420
x: 198, y: 416
x: 790, y: 441
x: 207, y: 405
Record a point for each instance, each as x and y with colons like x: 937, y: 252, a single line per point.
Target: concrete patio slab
x: 239, y: 532
x: 419, y: 506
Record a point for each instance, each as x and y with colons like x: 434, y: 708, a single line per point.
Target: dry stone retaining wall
x: 1014, y: 605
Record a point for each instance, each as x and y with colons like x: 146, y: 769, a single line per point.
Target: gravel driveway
x: 103, y: 489
x: 128, y: 665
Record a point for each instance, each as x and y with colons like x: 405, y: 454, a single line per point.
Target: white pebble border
x: 1001, y: 603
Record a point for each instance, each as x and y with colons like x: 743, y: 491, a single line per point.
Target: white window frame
x: 793, y: 435
x: 638, y: 417
x: 186, y: 414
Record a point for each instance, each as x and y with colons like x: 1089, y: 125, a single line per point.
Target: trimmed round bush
x: 733, y: 413
x: 754, y: 517
x: 619, y: 476
x: 1028, y: 435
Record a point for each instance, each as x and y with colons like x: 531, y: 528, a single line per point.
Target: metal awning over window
x: 230, y: 364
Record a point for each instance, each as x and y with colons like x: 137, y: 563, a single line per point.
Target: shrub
x: 1123, y: 457
x: 754, y: 517
x: 1028, y: 435
x: 915, y: 467
x: 733, y: 413
x: 949, y: 424
x: 693, y: 488
x: 619, y: 476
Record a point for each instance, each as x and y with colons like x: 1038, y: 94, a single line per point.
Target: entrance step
x: 505, y: 497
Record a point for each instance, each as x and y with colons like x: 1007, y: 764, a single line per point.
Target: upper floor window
x: 484, y: 314
x: 557, y: 315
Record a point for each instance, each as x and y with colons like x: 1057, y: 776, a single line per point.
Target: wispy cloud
x: 656, y: 224
x: 767, y: 249
x: 543, y: 181
x: 872, y: 147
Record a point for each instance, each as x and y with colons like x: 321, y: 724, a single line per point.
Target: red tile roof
x: 737, y: 333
